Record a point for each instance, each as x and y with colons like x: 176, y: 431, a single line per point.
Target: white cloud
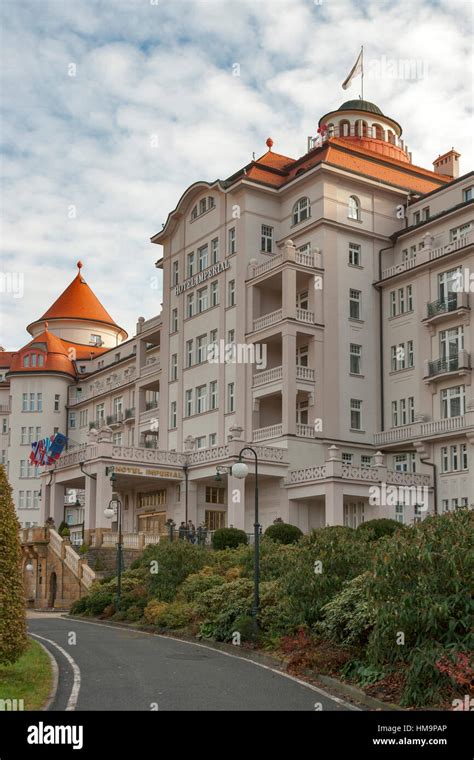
x: 166, y: 70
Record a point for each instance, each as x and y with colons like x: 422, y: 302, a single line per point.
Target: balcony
x: 152, y: 365
x: 312, y: 259
x: 460, y: 364
x: 267, y: 320
x: 268, y: 376
x: 443, y: 247
x: 151, y: 405
x: 418, y: 430
x: 129, y: 414
x: 304, y: 373
x: 446, y: 307
x: 305, y: 431
x: 303, y: 315
x: 114, y: 420
x: 267, y: 433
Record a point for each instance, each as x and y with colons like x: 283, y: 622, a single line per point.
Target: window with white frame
x: 24, y: 402
x: 214, y: 251
x: 468, y: 194
x: 366, y: 461
x: 203, y: 258
x: 56, y: 402
x: 409, y: 297
x: 191, y: 264
x: 410, y: 354
x: 405, y: 462
x: 117, y: 439
x: 302, y: 356
x: 100, y: 413
x: 202, y: 300
x: 301, y: 210
x: 231, y: 397
x: 266, y: 239
x: 232, y: 242
x: 174, y: 320
x: 231, y: 293
x: 201, y: 349
x: 400, y: 513
x: 201, y: 399
x: 189, y: 352
x: 201, y: 442
x: 454, y: 458
x: 174, y: 367
x: 83, y: 417
x: 353, y: 208
x: 72, y: 420
x: 354, y: 514
x: 355, y: 353
x: 213, y: 394
x: 173, y: 414
x: 356, y: 414
x: 453, y: 401
x: 354, y: 303
x: 214, y: 293
x: 212, y: 439
x: 411, y: 409
x: 347, y: 458
x: 213, y: 335
x: 458, y: 232
x: 354, y: 255
x: 302, y: 301
x: 188, y: 403
x: 302, y: 411
x: 190, y: 305
x: 401, y: 300
x: 175, y: 273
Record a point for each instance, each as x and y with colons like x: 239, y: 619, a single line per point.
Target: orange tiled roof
x: 277, y: 170
x: 79, y: 302
x: 58, y: 356
x: 6, y: 358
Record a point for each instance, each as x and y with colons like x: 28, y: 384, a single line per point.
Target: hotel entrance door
x: 153, y: 522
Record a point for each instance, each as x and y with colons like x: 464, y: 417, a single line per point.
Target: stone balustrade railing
x: 425, y: 429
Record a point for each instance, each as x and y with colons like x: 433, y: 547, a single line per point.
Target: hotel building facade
x: 317, y: 309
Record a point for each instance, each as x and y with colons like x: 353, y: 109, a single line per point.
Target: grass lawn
x: 30, y: 678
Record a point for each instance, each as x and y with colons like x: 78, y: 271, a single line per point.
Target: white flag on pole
x: 356, y: 69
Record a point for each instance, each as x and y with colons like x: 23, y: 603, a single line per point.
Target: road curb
x: 55, y: 677
x: 345, y: 690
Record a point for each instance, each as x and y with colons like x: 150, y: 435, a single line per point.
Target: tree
x: 13, y: 636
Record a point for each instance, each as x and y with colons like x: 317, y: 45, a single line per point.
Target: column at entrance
x: 103, y: 497
x: 334, y: 503
x: 89, y: 504
x: 56, y: 506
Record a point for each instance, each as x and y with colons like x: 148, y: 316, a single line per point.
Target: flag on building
x: 358, y: 68
x: 47, y: 450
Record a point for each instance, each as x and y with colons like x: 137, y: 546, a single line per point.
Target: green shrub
x: 228, y: 538
x: 284, y: 533
x: 173, y: 562
x: 175, y: 615
x: 322, y: 563
x: 275, y: 560
x: 223, y: 560
x: 79, y: 606
x: 347, y: 618
x: 196, y: 584
x: 383, y: 526
x: 245, y: 626
x: 98, y: 600
x: 361, y: 673
x: 83, y: 549
x: 63, y: 530
x: 153, y: 609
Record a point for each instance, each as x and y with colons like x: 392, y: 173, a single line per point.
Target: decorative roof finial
x: 79, y: 265
x: 46, y: 325
x: 269, y: 143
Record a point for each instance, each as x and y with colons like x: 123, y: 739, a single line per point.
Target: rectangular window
x: 213, y: 394
x: 214, y: 293
x: 231, y: 293
x: 232, y: 247
x: 188, y: 403
x: 267, y: 239
x: 21, y: 503
x: 366, y: 461
x: 459, y: 232
x: 174, y: 320
x: 212, y: 439
x: 201, y: 399
x: 201, y: 349
x: 213, y: 335
x: 100, y: 413
x: 468, y: 194
x: 354, y: 254
x: 401, y: 300
x: 202, y: 300
x: 355, y: 359
x: 190, y: 305
x: 411, y: 409
x: 393, y: 358
x: 201, y: 442
x: 393, y: 303
x: 173, y: 415
x: 444, y: 459
x: 83, y: 417
x: 215, y: 495
x: 356, y: 414
x: 403, y: 411
x: 24, y: 402
x: 410, y: 354
x: 463, y: 450
x: 32, y: 402
x: 72, y: 420
x: 22, y: 468
x: 230, y: 397
x: 203, y: 258
x: 394, y: 413
x: 56, y: 403
x: 39, y: 402
x: 400, y: 513
x: 453, y: 458
x: 189, y: 353
x: 191, y: 264
x: 409, y: 297
x: 174, y: 366
x: 24, y: 436
x: 453, y: 402
x: 425, y: 213
x: 416, y: 217
x: 214, y: 251
x: 117, y: 439
x: 354, y: 303
x: 36, y: 499
x: 175, y: 277
x: 347, y: 458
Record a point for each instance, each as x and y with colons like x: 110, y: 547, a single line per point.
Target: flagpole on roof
x: 362, y: 70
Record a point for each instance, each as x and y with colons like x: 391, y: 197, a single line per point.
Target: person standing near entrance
x: 191, y: 532
x: 182, y: 531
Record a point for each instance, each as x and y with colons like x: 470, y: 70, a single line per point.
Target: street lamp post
x: 115, y: 508
x: 240, y: 471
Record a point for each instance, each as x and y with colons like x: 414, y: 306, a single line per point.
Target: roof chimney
x: 448, y: 164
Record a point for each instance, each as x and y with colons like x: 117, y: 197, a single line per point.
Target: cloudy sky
x: 111, y: 108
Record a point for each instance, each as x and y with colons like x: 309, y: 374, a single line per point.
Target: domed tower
x: 79, y: 317
x: 363, y: 123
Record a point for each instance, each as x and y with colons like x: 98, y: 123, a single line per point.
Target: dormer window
x: 205, y: 204
x: 96, y: 340
x: 301, y: 210
x: 26, y: 360
x: 40, y: 360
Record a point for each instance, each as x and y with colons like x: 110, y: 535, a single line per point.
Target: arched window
x: 361, y: 128
x: 344, y: 128
x: 26, y: 360
x: 211, y: 202
x: 391, y: 137
x: 33, y: 359
x: 377, y: 131
x: 194, y: 212
x: 301, y: 210
x: 40, y: 360
x: 353, y: 209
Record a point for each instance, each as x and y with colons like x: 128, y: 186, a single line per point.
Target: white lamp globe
x: 109, y: 513
x: 240, y: 470
x: 29, y: 567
